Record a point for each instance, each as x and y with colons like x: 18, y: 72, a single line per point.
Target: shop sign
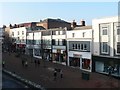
x: 76, y: 55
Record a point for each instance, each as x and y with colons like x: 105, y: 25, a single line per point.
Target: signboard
x: 76, y: 55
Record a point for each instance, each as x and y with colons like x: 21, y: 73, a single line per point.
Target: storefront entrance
x: 74, y: 61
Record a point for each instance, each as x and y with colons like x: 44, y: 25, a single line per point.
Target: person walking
x: 23, y: 62
x: 26, y: 64
x: 3, y: 63
x: 61, y: 73
x: 55, y: 74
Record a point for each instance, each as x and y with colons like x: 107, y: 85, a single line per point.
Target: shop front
x: 59, y: 56
x: 47, y: 54
x: 81, y: 60
x: 103, y: 64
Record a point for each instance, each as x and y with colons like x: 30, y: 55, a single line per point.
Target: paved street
x: 72, y: 77
x: 9, y: 82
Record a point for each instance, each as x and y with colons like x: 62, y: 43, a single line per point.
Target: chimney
x: 82, y: 22
x: 73, y: 25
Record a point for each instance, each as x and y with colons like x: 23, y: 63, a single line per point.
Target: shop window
x: 53, y: 41
x: 85, y: 63
x: 63, y: 42
x: 114, y: 68
x: 37, y: 52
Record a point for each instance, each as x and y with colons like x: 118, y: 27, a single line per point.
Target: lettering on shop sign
x: 76, y: 55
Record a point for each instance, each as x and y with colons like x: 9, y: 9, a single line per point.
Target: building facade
x: 79, y: 47
x: 106, y: 45
x: 54, y: 23
x: 59, y: 49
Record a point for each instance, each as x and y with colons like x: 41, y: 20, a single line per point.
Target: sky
x: 21, y: 12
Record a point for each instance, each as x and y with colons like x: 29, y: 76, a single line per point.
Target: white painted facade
x: 106, y: 31
x: 19, y: 34
x: 78, y: 36
x: 37, y: 44
x: 112, y: 36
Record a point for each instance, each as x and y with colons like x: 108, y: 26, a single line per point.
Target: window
x: 22, y: 32
x: 73, y: 46
x: 18, y: 33
x: 104, y: 32
x: 118, y: 31
x: 104, y: 47
x: 63, y: 42
x: 37, y: 52
x: 53, y: 41
x: 83, y: 34
x: 58, y: 42
x: 85, y: 46
x: 63, y: 32
x: 18, y: 38
x: 85, y: 63
x: 58, y: 32
x: 118, y: 47
x: 81, y: 48
x: 73, y: 34
x: 23, y: 39
x: 12, y: 33
x: 78, y: 46
x: 53, y: 32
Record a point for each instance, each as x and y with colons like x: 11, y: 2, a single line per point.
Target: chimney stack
x: 73, y: 25
x: 82, y: 22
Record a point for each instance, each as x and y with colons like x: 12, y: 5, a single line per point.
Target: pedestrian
x: 61, y: 73
x: 23, y: 62
x: 26, y: 64
x: 3, y: 63
x: 38, y: 63
x: 55, y: 74
x: 109, y: 70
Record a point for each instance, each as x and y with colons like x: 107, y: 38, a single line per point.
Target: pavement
x: 43, y: 74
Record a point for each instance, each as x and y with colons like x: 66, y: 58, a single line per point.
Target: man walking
x: 55, y: 74
x: 61, y: 73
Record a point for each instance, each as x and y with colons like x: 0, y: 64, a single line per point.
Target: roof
x: 82, y: 28
x: 50, y: 19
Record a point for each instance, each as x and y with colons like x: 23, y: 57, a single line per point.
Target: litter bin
x: 85, y: 76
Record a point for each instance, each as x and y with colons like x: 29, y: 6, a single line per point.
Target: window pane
x: 118, y: 31
x: 81, y: 47
x: 104, y: 47
x: 104, y: 32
